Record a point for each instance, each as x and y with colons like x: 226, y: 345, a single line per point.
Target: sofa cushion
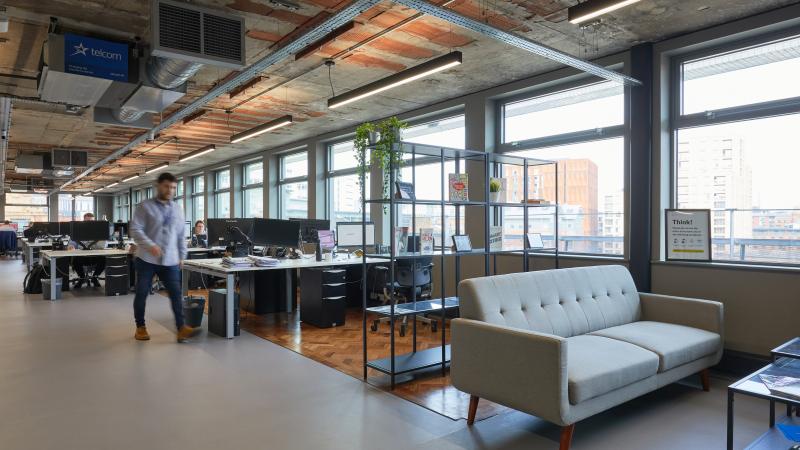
x: 597, y: 365
x: 675, y: 345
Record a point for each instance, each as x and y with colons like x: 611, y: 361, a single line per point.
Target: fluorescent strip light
x: 130, y: 178
x: 112, y: 185
x: 156, y: 168
x: 261, y: 129
x: 591, y: 9
x: 199, y: 152
x: 18, y: 190
x: 415, y: 73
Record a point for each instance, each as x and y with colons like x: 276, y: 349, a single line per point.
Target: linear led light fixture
x: 415, y: 73
x: 156, y: 168
x: 592, y: 9
x: 131, y: 178
x: 112, y: 185
x: 261, y: 129
x: 199, y: 152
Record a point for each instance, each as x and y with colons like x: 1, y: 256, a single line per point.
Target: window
x: 293, y: 185
x: 179, y: 196
x: 344, y: 190
x: 581, y: 129
x: 65, y: 207
x: 24, y: 208
x: 735, y: 153
x: 198, y: 198
x: 449, y: 132
x: 222, y: 193
x: 83, y: 205
x: 121, y: 207
x: 253, y: 189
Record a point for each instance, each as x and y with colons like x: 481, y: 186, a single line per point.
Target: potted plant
x: 495, y: 188
x: 375, y: 144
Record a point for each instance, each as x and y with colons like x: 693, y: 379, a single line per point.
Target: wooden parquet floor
x: 341, y: 349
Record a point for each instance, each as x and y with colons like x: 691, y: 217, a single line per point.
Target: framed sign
x: 462, y: 243
x: 688, y: 234
x: 535, y: 241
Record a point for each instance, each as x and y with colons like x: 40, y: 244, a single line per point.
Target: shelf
x: 409, y: 362
x: 519, y: 205
x: 474, y: 252
x: 411, y: 308
x: 774, y: 438
x: 402, y: 201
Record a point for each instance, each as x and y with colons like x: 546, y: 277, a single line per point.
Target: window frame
x: 576, y: 137
x: 217, y: 191
x: 734, y: 114
x: 247, y: 187
x: 195, y: 194
x: 284, y: 181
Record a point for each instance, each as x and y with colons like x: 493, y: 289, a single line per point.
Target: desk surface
x: 66, y: 253
x: 215, y: 264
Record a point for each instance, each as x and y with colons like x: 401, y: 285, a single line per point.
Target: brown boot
x: 186, y: 332
x: 141, y: 334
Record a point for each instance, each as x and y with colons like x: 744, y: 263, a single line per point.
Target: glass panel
x: 179, y: 191
x: 254, y: 173
x: 756, y: 74
x: 294, y: 200
x: 13, y: 198
x: 65, y: 207
x: 198, y: 208
x: 223, y: 178
x: 585, y: 108
x: 448, y: 132
x: 23, y: 209
x: 222, y: 205
x: 346, y: 199
x: 294, y: 165
x: 342, y: 156
x: 254, y: 202
x: 199, y: 184
x: 742, y: 172
x: 591, y: 194
x: 84, y: 205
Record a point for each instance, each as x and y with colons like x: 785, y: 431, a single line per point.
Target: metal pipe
x: 169, y: 73
x: 5, y: 125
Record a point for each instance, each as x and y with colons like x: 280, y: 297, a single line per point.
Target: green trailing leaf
x: 383, y: 152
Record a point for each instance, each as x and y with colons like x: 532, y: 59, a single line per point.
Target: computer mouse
x: 795, y: 447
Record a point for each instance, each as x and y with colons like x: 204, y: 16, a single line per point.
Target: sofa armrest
x: 522, y: 369
x: 691, y: 312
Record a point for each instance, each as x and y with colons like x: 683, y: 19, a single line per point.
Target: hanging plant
x: 375, y: 144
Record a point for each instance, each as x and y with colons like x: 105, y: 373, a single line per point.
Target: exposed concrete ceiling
x: 302, y: 87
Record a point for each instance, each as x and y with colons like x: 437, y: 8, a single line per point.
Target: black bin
x: 193, y: 308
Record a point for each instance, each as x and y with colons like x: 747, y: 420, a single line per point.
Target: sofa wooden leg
x: 704, y: 380
x: 566, y: 437
x: 473, y: 408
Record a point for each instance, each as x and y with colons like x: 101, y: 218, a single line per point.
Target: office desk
x: 52, y: 255
x: 28, y: 249
x: 215, y: 268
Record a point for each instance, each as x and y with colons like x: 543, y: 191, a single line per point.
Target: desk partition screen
x: 348, y: 234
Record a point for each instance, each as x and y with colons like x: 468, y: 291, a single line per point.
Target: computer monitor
x: 276, y: 233
x: 45, y: 228
x: 309, y: 228
x: 348, y: 234
x: 121, y: 228
x: 222, y: 231
x: 188, y: 230
x: 89, y: 231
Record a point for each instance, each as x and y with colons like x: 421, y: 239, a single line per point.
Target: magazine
x: 459, y: 187
x: 495, y: 238
x: 788, y: 387
x: 426, y: 241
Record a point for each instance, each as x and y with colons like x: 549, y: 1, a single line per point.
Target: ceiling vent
x: 197, y: 34
x: 69, y: 159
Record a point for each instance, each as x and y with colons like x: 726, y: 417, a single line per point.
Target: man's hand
x: 155, y: 251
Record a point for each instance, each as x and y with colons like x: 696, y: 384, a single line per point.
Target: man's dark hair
x: 88, y: 214
x: 199, y: 222
x: 166, y: 176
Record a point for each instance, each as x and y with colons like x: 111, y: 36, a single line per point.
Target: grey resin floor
x: 72, y: 377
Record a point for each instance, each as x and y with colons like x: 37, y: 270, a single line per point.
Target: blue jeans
x: 170, y: 276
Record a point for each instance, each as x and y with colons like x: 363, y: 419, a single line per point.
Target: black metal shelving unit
x: 492, y: 165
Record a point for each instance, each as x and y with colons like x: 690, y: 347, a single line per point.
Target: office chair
x: 413, y: 279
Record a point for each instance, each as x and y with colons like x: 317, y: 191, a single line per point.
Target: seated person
x: 6, y: 226
x: 199, y: 236
x: 96, y: 263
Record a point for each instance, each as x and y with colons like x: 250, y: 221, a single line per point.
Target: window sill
x: 730, y: 266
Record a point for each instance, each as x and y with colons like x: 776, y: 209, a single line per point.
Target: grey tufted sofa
x: 566, y: 344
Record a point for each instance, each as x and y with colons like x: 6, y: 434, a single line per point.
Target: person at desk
x: 96, y: 263
x: 6, y: 226
x: 157, y: 229
x: 199, y: 236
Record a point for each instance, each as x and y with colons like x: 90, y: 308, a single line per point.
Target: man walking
x: 157, y: 229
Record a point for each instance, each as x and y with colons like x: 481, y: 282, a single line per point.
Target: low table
x: 752, y: 386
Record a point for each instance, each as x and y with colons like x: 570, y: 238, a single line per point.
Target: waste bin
x: 193, y: 308
x: 46, y: 289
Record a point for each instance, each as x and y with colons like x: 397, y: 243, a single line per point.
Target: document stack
x: 233, y: 263
x: 263, y: 261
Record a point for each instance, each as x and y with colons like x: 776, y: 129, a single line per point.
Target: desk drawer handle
x: 334, y: 271
x: 334, y: 284
x: 334, y: 298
